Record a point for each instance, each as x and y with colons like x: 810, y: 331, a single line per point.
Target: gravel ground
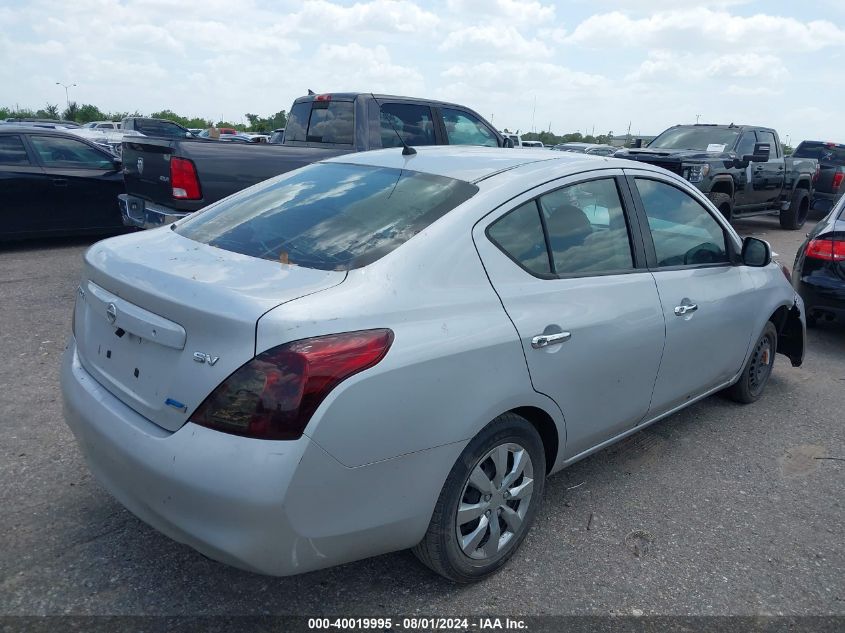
x: 719, y: 509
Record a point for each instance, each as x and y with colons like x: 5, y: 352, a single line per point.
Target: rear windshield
x: 328, y: 216
x: 697, y: 138
x: 823, y: 152
x: 321, y: 122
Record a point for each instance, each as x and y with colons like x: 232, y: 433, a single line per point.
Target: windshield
x: 711, y: 139
x: 329, y: 216
x: 823, y: 152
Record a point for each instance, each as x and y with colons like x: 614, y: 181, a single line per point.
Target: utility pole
x: 628, y: 135
x: 697, y: 117
x: 66, y: 86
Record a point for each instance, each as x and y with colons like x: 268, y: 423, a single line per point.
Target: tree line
x: 87, y: 112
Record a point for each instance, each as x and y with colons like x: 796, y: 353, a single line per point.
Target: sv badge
x: 202, y: 357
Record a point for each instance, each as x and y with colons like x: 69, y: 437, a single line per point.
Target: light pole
x: 66, y: 86
x: 697, y: 117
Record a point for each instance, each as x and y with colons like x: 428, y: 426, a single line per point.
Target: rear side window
x: 12, y: 151
x: 56, y: 151
x: 321, y: 122
x: 328, y: 216
x: 412, y: 122
x: 520, y: 235
x: 768, y: 137
x: 683, y: 231
x: 464, y: 129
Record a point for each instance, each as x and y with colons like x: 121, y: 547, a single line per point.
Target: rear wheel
x: 723, y: 202
x: 488, y: 502
x: 757, y: 370
x: 799, y: 207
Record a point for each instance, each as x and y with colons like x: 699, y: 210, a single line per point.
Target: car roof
x: 473, y: 164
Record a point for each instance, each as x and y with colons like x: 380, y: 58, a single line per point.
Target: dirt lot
x: 720, y: 509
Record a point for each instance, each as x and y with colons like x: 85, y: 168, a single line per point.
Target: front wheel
x: 757, y: 370
x: 488, y: 502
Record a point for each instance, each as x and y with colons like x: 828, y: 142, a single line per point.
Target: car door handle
x: 758, y: 168
x: 686, y: 308
x: 544, y: 340
x: 60, y: 182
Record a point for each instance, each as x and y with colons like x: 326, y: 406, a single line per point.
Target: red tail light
x: 828, y: 250
x: 325, y: 97
x: 275, y: 394
x: 183, y: 179
x: 838, y: 177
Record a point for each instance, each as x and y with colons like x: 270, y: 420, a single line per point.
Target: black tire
x: 757, y: 369
x: 440, y: 549
x: 723, y: 202
x: 794, y: 217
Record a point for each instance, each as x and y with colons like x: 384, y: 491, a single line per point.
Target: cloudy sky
x: 586, y: 64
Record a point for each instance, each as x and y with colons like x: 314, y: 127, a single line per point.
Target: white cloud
x: 701, y: 26
x: 695, y: 67
x: 504, y: 39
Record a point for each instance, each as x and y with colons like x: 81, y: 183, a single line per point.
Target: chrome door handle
x: 685, y: 309
x: 544, y: 340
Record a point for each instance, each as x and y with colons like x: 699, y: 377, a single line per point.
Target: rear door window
x: 328, y: 216
x: 414, y: 123
x: 768, y: 137
x: 519, y: 235
x: 462, y: 128
x: 12, y: 151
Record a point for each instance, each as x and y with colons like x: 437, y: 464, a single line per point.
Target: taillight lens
x: 275, y: 394
x: 828, y: 250
x: 183, y: 179
x: 837, y: 179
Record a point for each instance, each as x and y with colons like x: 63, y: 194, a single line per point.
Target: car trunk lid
x: 161, y: 320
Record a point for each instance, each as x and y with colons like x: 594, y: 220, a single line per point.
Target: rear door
x: 85, y: 183
x: 23, y: 188
x: 570, y: 271
x: 768, y: 177
x: 708, y: 302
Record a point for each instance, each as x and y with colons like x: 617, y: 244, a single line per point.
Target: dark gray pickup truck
x: 741, y: 168
x: 168, y: 178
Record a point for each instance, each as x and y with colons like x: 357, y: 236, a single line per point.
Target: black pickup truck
x: 167, y: 178
x: 830, y: 185
x: 741, y: 168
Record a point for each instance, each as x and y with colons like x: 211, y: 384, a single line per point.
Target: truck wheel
x: 723, y: 202
x: 794, y: 217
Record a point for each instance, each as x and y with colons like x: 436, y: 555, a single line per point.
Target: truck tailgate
x: 146, y: 168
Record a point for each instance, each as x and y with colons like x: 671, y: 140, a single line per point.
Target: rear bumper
x: 273, y: 507
x: 824, y: 296
x: 142, y: 214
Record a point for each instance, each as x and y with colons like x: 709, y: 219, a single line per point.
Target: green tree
x: 71, y: 112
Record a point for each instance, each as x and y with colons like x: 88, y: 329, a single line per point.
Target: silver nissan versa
x: 387, y: 351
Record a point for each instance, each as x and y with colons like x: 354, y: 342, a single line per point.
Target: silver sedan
x: 387, y: 351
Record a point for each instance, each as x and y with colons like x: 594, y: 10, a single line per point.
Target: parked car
x: 587, y: 148
x: 54, y: 183
x: 741, y: 168
x: 382, y: 351
x: 47, y: 123
x: 180, y: 176
x: 158, y: 128
x: 103, y: 125
x: 196, y: 131
x: 829, y: 185
x: 278, y: 136
x: 516, y: 139
x: 532, y: 144
x: 819, y: 270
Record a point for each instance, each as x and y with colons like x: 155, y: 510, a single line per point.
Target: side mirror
x: 637, y: 143
x: 756, y: 252
x: 507, y: 142
x: 760, y: 155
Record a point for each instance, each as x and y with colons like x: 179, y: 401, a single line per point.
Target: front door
x: 84, y: 184
x: 574, y: 283
x: 707, y: 301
